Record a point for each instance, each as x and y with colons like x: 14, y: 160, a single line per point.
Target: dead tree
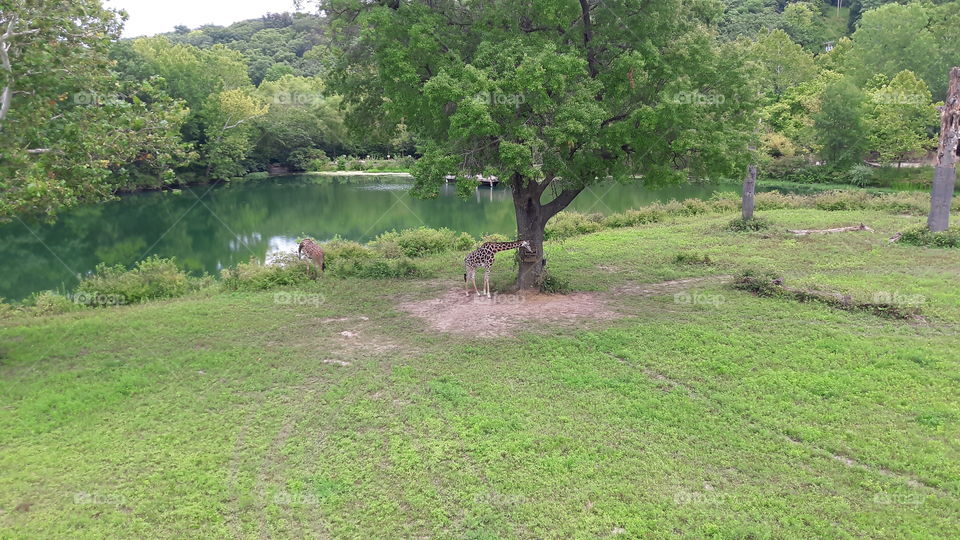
x: 749, y: 192
x: 945, y: 173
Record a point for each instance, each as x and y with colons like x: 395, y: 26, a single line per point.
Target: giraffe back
x: 313, y: 251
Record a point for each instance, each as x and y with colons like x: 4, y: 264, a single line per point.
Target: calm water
x: 208, y: 228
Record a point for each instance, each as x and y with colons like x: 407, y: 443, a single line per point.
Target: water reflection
x: 257, y: 219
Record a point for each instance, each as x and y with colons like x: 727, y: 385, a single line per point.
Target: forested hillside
x: 833, y: 88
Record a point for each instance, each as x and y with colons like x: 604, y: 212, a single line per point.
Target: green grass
x: 226, y: 414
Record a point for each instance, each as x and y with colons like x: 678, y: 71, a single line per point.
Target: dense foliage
x: 85, y: 114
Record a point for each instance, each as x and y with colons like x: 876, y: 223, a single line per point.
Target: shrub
x: 378, y: 268
x: 341, y: 163
x: 551, y: 284
x: 567, y: 224
x: 418, y: 242
x: 724, y: 201
x: 650, y: 214
x: 257, y: 175
x: 692, y: 258
x: 254, y: 276
x: 774, y: 200
x: 902, y: 203
x: 495, y: 237
x: 921, y: 236
x: 759, y: 282
x: 860, y: 175
x: 744, y: 225
x: 841, y: 200
x: 51, y: 303
x: 306, y: 159
x: 152, y: 278
x: 338, y: 249
x: 695, y: 207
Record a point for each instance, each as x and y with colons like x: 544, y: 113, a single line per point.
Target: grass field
x: 693, y: 409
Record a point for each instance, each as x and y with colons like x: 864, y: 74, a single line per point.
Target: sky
x: 148, y: 17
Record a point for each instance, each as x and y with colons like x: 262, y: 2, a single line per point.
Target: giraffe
x: 482, y: 257
x: 314, y: 255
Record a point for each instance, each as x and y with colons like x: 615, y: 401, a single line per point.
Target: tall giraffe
x: 482, y: 257
x: 314, y: 255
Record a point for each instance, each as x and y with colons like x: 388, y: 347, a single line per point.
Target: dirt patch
x: 505, y: 314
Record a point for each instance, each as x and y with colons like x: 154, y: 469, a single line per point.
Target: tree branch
x: 565, y: 197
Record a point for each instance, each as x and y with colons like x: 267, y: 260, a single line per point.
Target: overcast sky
x: 148, y: 17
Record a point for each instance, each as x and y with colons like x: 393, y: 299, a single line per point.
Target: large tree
x: 69, y: 130
x: 552, y: 96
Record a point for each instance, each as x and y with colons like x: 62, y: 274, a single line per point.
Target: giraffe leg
x: 486, y: 281
x: 473, y: 277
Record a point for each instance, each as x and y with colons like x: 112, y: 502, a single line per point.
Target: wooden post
x: 945, y: 171
x: 749, y: 191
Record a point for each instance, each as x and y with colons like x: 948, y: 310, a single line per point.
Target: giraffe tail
x: 464, y: 277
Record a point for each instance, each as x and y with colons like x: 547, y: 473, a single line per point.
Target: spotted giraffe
x: 482, y: 257
x: 314, y: 254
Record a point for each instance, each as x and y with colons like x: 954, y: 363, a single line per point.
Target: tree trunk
x: 530, y: 227
x: 945, y: 173
x: 532, y: 218
x: 749, y: 191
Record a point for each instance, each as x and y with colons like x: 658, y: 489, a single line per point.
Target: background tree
x: 70, y: 131
x: 550, y: 96
x: 900, y: 117
x: 839, y: 126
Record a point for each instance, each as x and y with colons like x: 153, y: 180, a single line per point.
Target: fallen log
x: 768, y: 285
x: 804, y: 232
x: 896, y: 237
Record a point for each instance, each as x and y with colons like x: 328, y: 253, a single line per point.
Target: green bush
x: 759, y: 282
x: 494, y: 238
x: 260, y: 175
x: 152, y: 278
x: 254, y: 276
x: 338, y: 250
x: 551, y: 284
x: 692, y: 258
x: 650, y: 214
x: 921, y: 236
x: 842, y: 200
x: 745, y: 225
x: 51, y: 303
x: 419, y: 242
x: 567, y: 224
x: 860, y: 175
x: 378, y: 268
x: 306, y: 159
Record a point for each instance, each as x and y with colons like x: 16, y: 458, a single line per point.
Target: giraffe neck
x: 503, y: 246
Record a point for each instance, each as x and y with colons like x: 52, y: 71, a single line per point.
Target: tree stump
x: 945, y: 171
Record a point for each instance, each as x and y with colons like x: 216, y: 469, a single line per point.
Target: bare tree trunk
x: 749, y: 191
x: 945, y: 173
x: 6, y: 95
x: 532, y: 218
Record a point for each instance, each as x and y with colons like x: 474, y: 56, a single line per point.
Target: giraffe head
x: 525, y: 244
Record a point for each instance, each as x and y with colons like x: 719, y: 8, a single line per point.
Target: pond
x: 209, y: 227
